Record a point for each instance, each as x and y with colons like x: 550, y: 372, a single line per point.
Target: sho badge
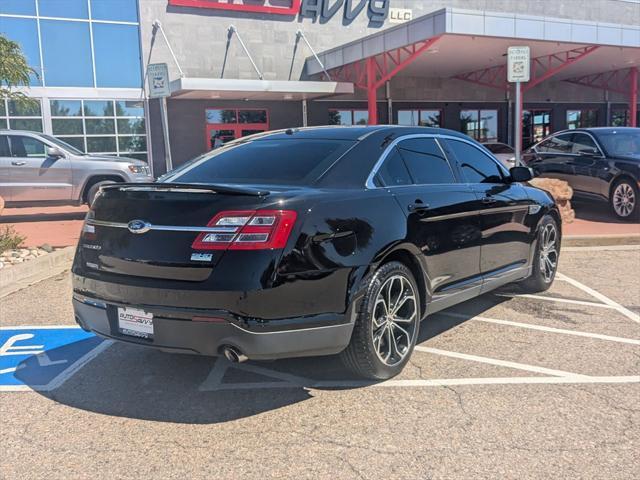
x: 201, y: 257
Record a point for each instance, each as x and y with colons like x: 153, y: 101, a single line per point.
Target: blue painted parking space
x: 41, y: 358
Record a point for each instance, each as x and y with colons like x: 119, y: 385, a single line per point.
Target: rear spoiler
x: 199, y: 187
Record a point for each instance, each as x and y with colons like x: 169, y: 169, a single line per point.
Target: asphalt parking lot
x: 504, y: 386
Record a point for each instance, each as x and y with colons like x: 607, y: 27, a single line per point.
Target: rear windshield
x: 267, y: 162
x: 621, y: 142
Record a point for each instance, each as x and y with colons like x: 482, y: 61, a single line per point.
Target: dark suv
x: 599, y: 163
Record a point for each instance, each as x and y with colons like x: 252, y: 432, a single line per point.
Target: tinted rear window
x: 269, y: 162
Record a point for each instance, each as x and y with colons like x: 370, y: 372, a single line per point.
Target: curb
x: 22, y: 275
x: 600, y: 240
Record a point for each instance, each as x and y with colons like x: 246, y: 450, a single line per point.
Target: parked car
x: 312, y: 241
x: 503, y: 152
x: 598, y: 163
x: 38, y: 169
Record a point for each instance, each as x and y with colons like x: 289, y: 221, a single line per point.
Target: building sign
x: 158, y: 78
x: 518, y: 64
x: 275, y: 7
x: 400, y: 15
x: 377, y: 10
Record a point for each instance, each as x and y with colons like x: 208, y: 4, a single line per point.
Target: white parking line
x: 39, y: 327
x: 435, y: 382
x: 600, y: 248
x: 558, y: 299
x: 541, y: 328
x: 604, y: 299
x: 214, y: 379
x: 499, y: 363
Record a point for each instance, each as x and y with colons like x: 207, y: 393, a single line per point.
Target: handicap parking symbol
x: 41, y: 358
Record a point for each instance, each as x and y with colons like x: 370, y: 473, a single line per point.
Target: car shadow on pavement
x: 594, y: 211
x: 145, y: 384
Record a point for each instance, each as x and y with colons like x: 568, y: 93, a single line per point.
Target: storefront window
x: 536, y: 125
x: 360, y: 117
x: 582, y: 118
x: 252, y: 116
x: 24, y: 31
x: 66, y: 52
x: 117, y: 55
x: 348, y: 117
x: 224, y: 125
x: 98, y: 108
x: 221, y: 116
x: 619, y: 118
x: 118, y: 10
x: 63, y: 8
x: 18, y: 7
x: 481, y: 125
x: 69, y: 44
x: 21, y: 115
x: 423, y: 118
x: 101, y: 126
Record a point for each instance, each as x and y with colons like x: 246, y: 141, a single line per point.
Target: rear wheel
x: 624, y: 199
x: 387, y: 325
x: 545, y: 260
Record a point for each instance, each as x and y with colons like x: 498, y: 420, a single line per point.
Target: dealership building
x: 238, y: 67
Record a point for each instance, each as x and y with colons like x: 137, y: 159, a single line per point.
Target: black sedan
x: 308, y: 242
x: 598, y: 163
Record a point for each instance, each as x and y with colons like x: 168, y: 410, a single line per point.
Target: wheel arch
x: 91, y: 181
x: 407, y: 255
x: 618, y: 178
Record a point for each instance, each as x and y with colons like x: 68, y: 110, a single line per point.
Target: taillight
x: 247, y: 230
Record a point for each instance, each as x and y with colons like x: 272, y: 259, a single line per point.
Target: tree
x: 14, y: 70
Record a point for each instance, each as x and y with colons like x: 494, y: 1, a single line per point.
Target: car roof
x: 356, y: 132
x: 599, y: 130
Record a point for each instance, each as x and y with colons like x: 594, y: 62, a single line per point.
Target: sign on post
x: 518, y: 71
x: 158, y: 78
x: 518, y: 64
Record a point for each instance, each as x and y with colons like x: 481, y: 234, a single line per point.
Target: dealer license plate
x: 135, y: 322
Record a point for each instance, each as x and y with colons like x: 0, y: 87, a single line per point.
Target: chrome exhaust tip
x: 233, y: 354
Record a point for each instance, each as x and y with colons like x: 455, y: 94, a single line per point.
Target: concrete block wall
x: 199, y: 36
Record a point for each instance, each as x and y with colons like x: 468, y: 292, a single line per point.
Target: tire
x: 545, y: 259
x: 93, y: 190
x: 364, y: 356
x: 624, y: 199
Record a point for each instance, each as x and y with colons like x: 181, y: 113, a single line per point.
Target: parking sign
x: 518, y: 64
x: 158, y: 78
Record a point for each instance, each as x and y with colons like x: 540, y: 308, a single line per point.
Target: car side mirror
x: 520, y: 174
x: 54, y: 152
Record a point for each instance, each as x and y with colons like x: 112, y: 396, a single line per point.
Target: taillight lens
x: 247, y: 230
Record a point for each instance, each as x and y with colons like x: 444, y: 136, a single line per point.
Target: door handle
x: 18, y: 164
x: 488, y: 200
x: 418, y: 206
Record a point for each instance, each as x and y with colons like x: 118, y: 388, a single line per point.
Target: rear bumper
x: 175, y: 330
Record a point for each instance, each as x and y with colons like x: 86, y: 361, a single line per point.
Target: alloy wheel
x: 624, y: 200
x: 548, y: 252
x: 395, y: 320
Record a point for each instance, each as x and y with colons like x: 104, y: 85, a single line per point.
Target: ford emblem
x: 138, y: 226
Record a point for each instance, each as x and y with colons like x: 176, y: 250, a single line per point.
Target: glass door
x: 536, y: 125
x: 224, y: 125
